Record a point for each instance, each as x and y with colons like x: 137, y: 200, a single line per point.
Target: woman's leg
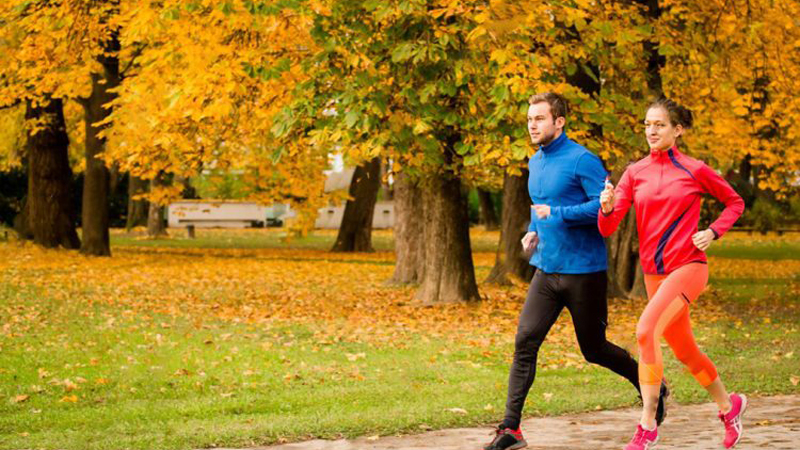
x: 680, y: 337
x: 669, y: 301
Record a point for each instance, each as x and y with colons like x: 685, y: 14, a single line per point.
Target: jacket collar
x: 671, y: 152
x: 555, y: 144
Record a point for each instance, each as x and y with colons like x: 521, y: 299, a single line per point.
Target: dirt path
x: 770, y: 422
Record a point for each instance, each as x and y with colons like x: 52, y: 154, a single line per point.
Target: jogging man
x: 569, y: 253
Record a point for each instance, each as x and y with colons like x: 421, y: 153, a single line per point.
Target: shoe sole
x: 518, y: 445
x: 741, y: 416
x: 650, y: 445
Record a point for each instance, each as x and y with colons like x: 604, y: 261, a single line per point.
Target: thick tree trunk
x: 488, y: 215
x: 96, y: 180
x: 48, y: 210
x: 449, y: 272
x: 355, y: 232
x: 156, y: 228
x: 137, y: 209
x: 511, y: 260
x: 408, y: 230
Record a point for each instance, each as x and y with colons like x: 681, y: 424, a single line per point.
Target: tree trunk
x: 622, y: 259
x: 449, y: 272
x: 96, y: 180
x: 137, y: 209
x: 48, y: 210
x: 511, y: 260
x: 408, y: 229
x: 155, y: 217
x: 355, y: 232
x: 488, y: 215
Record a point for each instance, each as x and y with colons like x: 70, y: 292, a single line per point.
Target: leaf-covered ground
x: 238, y: 338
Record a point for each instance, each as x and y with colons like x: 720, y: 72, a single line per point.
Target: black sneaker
x: 661, y: 411
x: 506, y: 439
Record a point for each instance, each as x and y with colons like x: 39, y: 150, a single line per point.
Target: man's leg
x: 586, y: 300
x: 541, y: 309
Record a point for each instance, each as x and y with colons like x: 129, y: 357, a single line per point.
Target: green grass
x: 174, y: 382
x: 788, y: 248
x: 173, y: 385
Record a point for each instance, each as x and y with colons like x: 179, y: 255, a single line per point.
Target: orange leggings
x: 667, y: 314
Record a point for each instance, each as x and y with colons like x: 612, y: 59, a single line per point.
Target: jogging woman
x: 666, y: 188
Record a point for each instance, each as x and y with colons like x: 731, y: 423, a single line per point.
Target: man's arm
x: 589, y: 170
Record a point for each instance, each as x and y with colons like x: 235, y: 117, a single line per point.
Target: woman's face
x: 659, y: 131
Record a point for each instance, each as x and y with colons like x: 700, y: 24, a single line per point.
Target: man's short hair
x: 558, y: 105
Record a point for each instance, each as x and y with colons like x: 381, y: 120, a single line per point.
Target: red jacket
x: 665, y: 189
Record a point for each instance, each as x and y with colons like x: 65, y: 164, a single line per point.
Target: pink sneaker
x: 643, y: 439
x: 733, y: 420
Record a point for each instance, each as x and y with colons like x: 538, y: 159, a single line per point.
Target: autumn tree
x: 211, y: 78
x: 67, y: 51
x: 104, y: 80
x: 40, y: 66
x: 406, y: 85
x: 736, y: 65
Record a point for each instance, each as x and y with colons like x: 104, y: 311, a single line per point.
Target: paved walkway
x: 770, y: 422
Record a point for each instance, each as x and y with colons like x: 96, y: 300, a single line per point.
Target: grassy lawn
x: 240, y: 339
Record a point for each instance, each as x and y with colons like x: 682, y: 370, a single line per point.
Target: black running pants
x: 584, y: 295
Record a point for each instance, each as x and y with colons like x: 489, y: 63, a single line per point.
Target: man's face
x: 542, y: 128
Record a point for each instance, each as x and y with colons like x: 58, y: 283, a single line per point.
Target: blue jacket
x: 568, y: 178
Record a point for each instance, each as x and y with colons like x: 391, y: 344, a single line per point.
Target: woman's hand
x: 607, y: 198
x: 702, y: 239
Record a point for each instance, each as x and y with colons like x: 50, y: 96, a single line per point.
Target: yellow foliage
x: 11, y: 137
